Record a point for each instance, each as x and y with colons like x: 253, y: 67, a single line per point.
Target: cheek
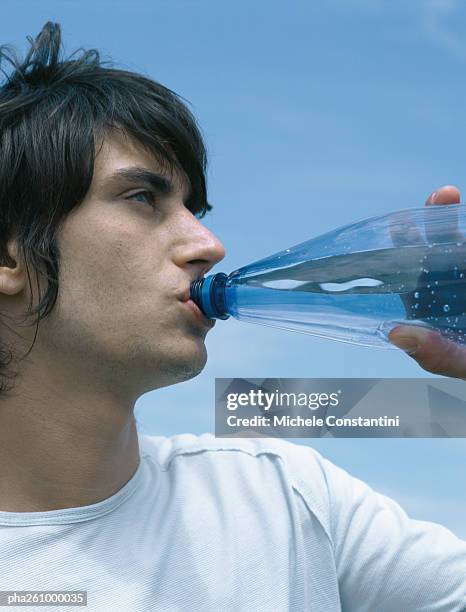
x: 114, y: 295
x: 113, y: 286
x: 109, y: 263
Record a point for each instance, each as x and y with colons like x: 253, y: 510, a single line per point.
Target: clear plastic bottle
x: 356, y: 283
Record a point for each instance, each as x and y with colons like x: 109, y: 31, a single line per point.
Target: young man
x: 101, y: 186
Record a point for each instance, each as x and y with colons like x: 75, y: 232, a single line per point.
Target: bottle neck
x: 209, y: 294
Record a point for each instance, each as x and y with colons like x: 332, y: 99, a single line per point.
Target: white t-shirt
x: 217, y: 525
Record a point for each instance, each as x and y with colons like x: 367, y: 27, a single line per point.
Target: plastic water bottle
x: 355, y: 283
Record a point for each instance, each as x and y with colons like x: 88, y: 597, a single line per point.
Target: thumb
x: 432, y: 351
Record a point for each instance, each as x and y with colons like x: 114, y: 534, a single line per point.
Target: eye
x: 149, y: 197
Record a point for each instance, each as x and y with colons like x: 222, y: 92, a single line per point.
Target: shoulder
x: 166, y: 449
x: 265, y: 465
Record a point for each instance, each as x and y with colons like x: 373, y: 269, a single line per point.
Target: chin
x: 159, y: 365
x: 184, y: 367
x: 196, y: 364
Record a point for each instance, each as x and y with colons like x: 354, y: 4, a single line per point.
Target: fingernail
x: 433, y: 197
x: 406, y: 343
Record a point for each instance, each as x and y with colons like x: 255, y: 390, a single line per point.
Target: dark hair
x: 54, y: 113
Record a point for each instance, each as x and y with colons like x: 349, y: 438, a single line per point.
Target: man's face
x: 125, y: 272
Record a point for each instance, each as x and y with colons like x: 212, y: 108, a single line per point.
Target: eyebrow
x: 138, y: 175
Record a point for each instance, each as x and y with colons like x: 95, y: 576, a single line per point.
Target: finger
x: 448, y: 194
x: 404, y: 230
x: 431, y: 350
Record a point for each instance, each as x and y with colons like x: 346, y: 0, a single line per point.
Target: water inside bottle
x: 358, y: 297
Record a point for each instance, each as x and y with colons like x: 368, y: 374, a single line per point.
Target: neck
x: 63, y: 443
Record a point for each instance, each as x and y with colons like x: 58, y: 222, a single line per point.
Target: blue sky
x: 315, y: 114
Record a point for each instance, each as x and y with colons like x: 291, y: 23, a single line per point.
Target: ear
x: 12, y: 279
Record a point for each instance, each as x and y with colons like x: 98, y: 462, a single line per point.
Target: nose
x: 198, y: 248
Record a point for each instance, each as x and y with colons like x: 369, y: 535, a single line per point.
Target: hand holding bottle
x: 432, y: 351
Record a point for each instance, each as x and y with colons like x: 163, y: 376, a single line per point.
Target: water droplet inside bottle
x: 416, y: 294
x: 436, y: 282
x: 416, y: 305
x: 446, y: 308
x: 287, y: 250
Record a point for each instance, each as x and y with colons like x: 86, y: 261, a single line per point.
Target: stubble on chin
x: 168, y: 367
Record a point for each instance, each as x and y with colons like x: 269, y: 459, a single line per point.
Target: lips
x: 198, y: 315
x: 184, y: 297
